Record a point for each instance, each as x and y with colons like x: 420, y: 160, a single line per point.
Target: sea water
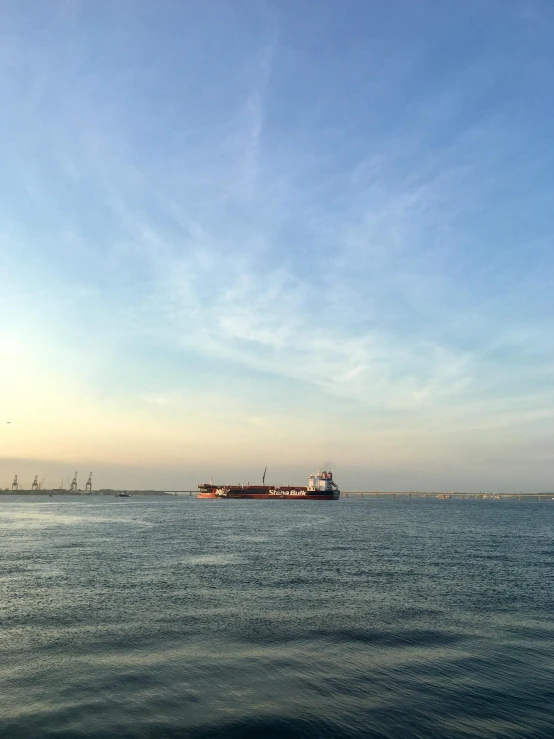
x: 172, y: 617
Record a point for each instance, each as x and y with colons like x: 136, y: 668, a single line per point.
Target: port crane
x: 35, y: 486
x: 15, y: 484
x: 73, y: 487
x: 88, y: 486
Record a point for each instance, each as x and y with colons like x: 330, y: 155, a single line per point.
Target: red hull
x: 285, y: 497
x: 263, y: 496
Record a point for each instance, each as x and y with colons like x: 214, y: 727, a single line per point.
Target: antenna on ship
x: 263, y: 478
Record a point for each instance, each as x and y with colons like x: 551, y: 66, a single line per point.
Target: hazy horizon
x: 282, y: 234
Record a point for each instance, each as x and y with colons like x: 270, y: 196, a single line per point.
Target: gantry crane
x: 73, y: 488
x: 88, y: 486
x: 15, y: 484
x: 34, y: 486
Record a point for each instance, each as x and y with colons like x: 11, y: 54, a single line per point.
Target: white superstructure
x: 321, y: 481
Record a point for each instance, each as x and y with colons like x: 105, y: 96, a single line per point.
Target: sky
x: 282, y: 233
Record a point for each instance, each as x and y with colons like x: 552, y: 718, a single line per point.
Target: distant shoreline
x: 344, y: 494
x: 82, y: 494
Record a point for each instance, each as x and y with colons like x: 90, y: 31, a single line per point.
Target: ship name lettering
x: 286, y: 492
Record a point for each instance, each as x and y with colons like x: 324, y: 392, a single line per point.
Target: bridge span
x: 416, y: 494
x: 452, y: 495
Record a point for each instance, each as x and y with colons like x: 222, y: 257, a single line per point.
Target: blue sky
x: 288, y: 233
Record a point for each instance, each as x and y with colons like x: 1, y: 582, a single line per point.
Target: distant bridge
x: 401, y: 494
x: 448, y: 496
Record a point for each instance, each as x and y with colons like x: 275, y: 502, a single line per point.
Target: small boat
x: 122, y: 495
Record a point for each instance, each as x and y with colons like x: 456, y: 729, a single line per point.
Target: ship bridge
x: 321, y: 481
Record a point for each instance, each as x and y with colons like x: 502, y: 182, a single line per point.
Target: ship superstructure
x: 321, y: 486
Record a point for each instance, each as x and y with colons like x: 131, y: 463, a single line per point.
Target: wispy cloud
x: 251, y: 150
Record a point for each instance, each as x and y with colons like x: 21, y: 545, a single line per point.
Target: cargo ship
x: 321, y: 486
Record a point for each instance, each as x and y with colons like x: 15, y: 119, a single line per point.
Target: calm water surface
x: 173, y: 617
